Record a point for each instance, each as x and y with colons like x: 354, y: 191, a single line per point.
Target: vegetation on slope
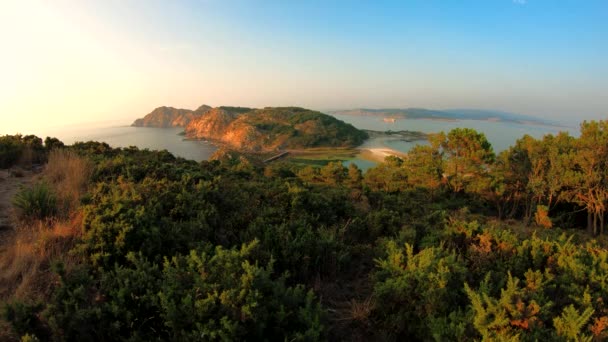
x: 451, y: 243
x: 164, y: 117
x: 274, y: 128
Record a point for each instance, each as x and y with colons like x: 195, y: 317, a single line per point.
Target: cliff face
x: 211, y: 126
x: 165, y: 117
x: 273, y: 128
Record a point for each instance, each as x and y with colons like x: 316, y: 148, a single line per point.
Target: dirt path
x: 9, y: 185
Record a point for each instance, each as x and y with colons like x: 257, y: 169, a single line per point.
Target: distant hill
x: 273, y: 128
x: 446, y: 114
x: 165, y: 117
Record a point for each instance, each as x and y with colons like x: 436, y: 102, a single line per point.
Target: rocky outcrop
x: 164, y: 117
x: 211, y: 126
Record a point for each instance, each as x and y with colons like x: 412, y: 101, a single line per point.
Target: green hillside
x: 304, y: 128
x: 273, y: 128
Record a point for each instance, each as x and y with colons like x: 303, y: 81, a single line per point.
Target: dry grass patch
x: 25, y: 264
x: 357, y: 310
x: 25, y: 261
x: 26, y: 256
x: 27, y: 253
x: 69, y: 175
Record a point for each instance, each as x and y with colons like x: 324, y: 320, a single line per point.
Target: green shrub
x: 18, y: 148
x: 222, y: 296
x: 208, y: 295
x: 10, y: 150
x: 419, y: 295
x: 23, y: 317
x: 38, y: 202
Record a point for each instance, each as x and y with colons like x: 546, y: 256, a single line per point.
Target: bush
x: 10, y: 150
x: 23, y: 317
x: 420, y: 295
x: 17, y: 148
x: 53, y: 143
x: 208, y: 295
x: 36, y: 203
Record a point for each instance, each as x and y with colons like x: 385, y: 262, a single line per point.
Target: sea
x: 500, y: 134
x: 118, y: 134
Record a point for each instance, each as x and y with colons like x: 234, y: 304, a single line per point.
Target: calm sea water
x: 500, y: 134
x: 142, y: 137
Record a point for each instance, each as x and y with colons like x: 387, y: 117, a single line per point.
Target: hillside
x: 447, y: 114
x: 273, y: 128
x: 451, y: 242
x: 164, y: 117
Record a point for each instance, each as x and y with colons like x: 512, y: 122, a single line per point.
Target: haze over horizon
x: 67, y: 62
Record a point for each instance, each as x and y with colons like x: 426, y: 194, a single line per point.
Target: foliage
x: 16, y: 148
x: 203, y: 296
x: 22, y: 316
x: 36, y: 203
x: 449, y: 243
x: 416, y: 293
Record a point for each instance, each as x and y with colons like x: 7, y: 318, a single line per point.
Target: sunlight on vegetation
x: 450, y: 243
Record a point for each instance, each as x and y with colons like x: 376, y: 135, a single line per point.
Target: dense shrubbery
x: 490, y: 284
x: 26, y: 149
x: 207, y: 295
x: 413, y: 249
x: 15, y: 148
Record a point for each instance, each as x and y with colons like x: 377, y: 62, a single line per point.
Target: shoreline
x: 378, y: 154
x: 376, y: 150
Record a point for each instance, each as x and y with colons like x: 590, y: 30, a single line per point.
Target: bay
x: 117, y: 135
x: 501, y: 134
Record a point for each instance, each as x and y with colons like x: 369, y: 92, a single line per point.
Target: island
x: 303, y: 135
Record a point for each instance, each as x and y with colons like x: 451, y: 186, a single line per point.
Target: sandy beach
x: 378, y: 154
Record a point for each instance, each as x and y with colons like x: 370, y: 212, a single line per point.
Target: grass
x: 26, y: 255
x: 359, y: 311
x: 321, y: 156
x: 36, y: 203
x: 69, y: 175
x: 25, y: 264
x: 26, y: 258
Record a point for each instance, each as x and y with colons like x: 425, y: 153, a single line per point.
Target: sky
x: 68, y: 62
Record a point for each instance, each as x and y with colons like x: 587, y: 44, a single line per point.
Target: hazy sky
x: 76, y: 61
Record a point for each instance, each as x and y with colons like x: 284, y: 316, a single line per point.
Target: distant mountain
x: 482, y: 114
x: 446, y: 114
x: 165, y: 117
x: 273, y: 128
